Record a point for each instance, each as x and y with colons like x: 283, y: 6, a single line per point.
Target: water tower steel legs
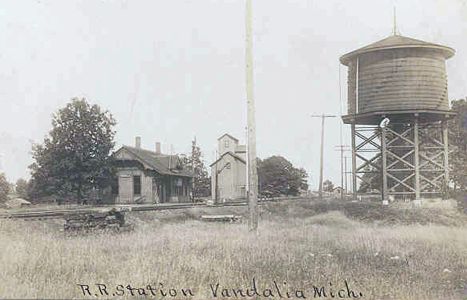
x: 411, y: 158
x: 354, y: 162
x: 363, y: 149
x: 434, y: 163
x: 446, y: 156
x: 416, y: 144
x: 384, y: 168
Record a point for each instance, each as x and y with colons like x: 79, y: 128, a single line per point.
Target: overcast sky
x: 170, y: 70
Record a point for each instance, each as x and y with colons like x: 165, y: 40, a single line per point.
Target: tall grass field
x: 302, y: 250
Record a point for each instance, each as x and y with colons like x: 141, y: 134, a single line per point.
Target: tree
x: 201, y: 180
x: 4, y: 188
x: 277, y: 176
x: 22, y: 188
x: 328, y: 186
x: 458, y: 143
x: 74, y: 158
x: 372, y: 179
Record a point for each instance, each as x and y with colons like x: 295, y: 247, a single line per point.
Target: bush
x: 4, y: 188
x: 461, y: 199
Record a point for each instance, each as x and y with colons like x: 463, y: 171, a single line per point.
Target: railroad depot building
x: 144, y: 176
x: 228, y: 172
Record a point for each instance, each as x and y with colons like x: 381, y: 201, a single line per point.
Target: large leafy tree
x: 74, y: 158
x: 4, y: 188
x: 328, y: 186
x: 21, y: 187
x: 201, y: 180
x: 458, y: 143
x: 372, y: 180
x: 277, y: 176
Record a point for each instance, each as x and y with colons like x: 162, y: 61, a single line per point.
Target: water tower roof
x: 397, y: 42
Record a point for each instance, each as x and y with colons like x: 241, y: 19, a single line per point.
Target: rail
x: 61, y: 213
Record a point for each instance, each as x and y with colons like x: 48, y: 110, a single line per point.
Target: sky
x: 172, y: 70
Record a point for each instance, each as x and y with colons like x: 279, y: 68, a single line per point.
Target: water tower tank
x: 397, y: 74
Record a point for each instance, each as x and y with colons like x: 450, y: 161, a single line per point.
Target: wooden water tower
x: 398, y: 110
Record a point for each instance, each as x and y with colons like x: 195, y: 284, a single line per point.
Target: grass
x: 385, y: 253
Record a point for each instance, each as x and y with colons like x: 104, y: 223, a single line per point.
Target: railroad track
x: 61, y: 213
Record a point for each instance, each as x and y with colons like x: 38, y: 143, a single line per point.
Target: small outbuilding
x: 338, y: 191
x: 17, y: 203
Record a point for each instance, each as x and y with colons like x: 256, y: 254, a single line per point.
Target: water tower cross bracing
x: 402, y: 81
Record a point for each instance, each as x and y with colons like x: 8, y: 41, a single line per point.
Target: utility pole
x: 342, y: 148
x: 193, y: 170
x: 252, y: 170
x: 345, y: 172
x: 323, y: 117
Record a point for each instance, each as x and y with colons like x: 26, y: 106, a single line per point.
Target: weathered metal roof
x: 395, y: 42
x: 161, y: 163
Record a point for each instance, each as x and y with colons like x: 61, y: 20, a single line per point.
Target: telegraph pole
x: 252, y: 170
x: 193, y: 170
x: 345, y: 172
x: 323, y: 117
x: 342, y: 148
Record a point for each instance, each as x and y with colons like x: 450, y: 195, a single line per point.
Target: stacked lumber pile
x: 111, y: 219
x: 221, y: 218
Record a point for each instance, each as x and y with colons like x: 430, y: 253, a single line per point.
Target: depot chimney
x: 138, y: 142
x: 158, y: 147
